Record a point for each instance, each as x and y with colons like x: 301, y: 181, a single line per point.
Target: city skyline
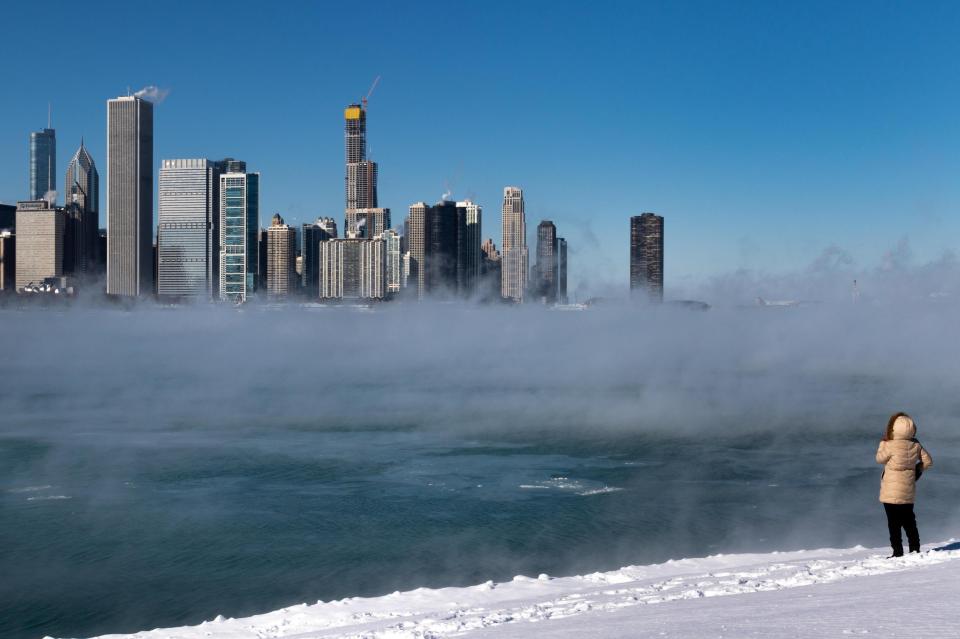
x: 751, y: 144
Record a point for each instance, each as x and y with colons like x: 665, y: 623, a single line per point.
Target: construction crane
x: 373, y: 86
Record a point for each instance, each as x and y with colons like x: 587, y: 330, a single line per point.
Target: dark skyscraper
x: 547, y: 276
x: 443, y: 241
x: 8, y: 216
x: 82, y: 204
x: 469, y: 219
x: 43, y: 163
x: 646, y: 256
x: 129, y: 196
x: 441, y: 248
x: 562, y: 270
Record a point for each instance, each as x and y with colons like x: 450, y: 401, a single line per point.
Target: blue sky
x: 763, y: 132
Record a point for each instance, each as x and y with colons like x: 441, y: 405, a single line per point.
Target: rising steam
x: 153, y: 93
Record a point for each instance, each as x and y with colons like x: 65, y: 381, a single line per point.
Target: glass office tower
x: 239, y: 228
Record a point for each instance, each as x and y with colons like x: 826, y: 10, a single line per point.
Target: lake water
x: 160, y: 467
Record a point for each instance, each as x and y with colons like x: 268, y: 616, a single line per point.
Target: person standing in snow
x: 904, y: 459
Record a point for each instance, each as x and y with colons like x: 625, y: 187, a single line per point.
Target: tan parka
x: 899, y: 454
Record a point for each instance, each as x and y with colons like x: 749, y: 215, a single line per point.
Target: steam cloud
x: 153, y: 93
x: 768, y: 417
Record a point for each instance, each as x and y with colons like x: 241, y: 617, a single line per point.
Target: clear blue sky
x: 762, y: 131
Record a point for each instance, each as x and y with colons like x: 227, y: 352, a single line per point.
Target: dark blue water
x: 154, y: 474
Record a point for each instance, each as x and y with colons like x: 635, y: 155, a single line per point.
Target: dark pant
x: 901, y: 516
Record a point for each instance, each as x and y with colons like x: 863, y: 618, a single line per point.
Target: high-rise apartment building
x: 281, y: 258
x: 562, y: 270
x: 187, y: 235
x: 546, y: 278
x: 393, y: 260
x: 129, y: 196
x: 415, y: 238
x: 43, y: 163
x: 515, y: 258
x: 361, y: 173
x: 352, y: 268
x: 40, y: 235
x: 239, y: 236
x: 646, y: 256
x: 82, y: 205
x: 325, y: 228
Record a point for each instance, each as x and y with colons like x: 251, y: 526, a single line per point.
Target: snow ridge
x: 439, y: 613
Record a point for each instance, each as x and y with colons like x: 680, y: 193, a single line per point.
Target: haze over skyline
x: 763, y: 134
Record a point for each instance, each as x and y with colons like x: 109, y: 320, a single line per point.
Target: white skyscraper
x: 40, y: 234
x: 281, y: 258
x: 352, y: 268
x: 394, y: 262
x: 514, y: 277
x: 129, y: 196
x: 186, y: 243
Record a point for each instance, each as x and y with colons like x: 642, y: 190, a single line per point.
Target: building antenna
x: 49, y: 114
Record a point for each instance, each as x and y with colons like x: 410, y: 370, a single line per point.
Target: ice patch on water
x: 599, y: 491
x: 28, y: 489
x: 583, y: 488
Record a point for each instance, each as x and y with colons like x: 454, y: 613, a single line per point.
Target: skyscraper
x: 352, y: 268
x: 82, y: 204
x: 187, y: 238
x: 468, y: 247
x: 646, y: 256
x: 562, y: 271
x: 43, y: 163
x: 129, y: 196
x: 515, y: 269
x: 393, y: 260
x: 325, y: 228
x: 548, y: 265
x: 281, y: 258
x: 40, y: 232
x: 416, y: 247
x: 443, y: 242
x: 361, y: 173
x: 239, y: 235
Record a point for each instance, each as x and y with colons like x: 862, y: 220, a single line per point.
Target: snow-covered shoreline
x: 611, y: 603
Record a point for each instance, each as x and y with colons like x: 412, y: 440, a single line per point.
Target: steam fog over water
x: 159, y: 467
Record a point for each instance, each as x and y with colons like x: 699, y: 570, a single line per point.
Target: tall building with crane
x: 361, y: 173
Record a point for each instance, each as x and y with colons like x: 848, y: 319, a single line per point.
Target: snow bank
x: 859, y: 584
